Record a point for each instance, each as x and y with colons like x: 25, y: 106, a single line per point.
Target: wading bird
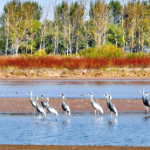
x: 65, y: 106
x: 51, y: 109
x: 39, y: 108
x: 110, y: 105
x: 33, y: 102
x: 145, y: 100
x: 44, y: 104
x: 96, y: 106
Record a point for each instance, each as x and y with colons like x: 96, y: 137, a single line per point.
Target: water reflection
x: 146, y: 118
x: 98, y: 119
x: 112, y: 121
x: 127, y: 129
x: 65, y: 121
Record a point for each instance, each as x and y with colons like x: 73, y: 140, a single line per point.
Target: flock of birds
x: 41, y: 110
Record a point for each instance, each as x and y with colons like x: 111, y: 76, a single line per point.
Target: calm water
x: 125, y: 130
x: 124, y: 89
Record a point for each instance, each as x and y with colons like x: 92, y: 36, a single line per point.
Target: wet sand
x: 51, y: 147
x: 23, y: 105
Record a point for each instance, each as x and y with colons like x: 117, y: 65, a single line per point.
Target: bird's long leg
x: 95, y: 111
x: 111, y: 114
x: 34, y: 111
x: 145, y: 111
x: 56, y: 118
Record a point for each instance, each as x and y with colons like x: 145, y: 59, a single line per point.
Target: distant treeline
x: 76, y: 26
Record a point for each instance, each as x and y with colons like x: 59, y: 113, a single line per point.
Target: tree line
x: 76, y: 25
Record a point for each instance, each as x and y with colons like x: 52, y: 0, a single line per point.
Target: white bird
x: 96, y: 106
x: 65, y: 106
x: 39, y: 108
x: 110, y: 105
x: 51, y: 109
x: 33, y: 102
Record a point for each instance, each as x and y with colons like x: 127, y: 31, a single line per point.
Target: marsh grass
x: 29, y: 62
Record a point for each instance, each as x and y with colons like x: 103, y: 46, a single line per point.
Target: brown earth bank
x: 51, y: 73
x: 17, y: 105
x: 41, y: 147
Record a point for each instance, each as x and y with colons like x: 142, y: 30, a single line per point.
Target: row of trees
x: 26, y: 27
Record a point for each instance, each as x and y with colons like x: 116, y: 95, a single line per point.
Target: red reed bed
x: 72, y: 63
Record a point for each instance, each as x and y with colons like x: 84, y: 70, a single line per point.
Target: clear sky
x: 45, y: 2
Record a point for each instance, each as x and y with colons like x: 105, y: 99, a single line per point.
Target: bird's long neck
x: 63, y: 98
x: 47, y: 102
x: 42, y: 98
x: 92, y: 98
x: 143, y: 96
x: 37, y: 102
x: 31, y: 96
x: 107, y: 100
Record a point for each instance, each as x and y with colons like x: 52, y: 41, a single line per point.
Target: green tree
x: 18, y: 15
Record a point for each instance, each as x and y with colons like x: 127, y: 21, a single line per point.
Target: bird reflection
x: 147, y: 117
x: 66, y: 121
x: 112, y: 121
x: 98, y: 119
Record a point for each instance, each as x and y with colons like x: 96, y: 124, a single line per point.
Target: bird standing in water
x: 33, y: 102
x: 39, y: 108
x: 65, y: 107
x: 96, y: 106
x: 44, y: 104
x: 145, y: 100
x: 110, y: 105
x: 51, y: 109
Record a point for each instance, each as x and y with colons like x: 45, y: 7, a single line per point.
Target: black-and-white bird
x: 110, y: 105
x: 40, y: 109
x: 145, y: 100
x: 96, y: 106
x: 33, y: 102
x: 65, y: 106
x: 44, y: 104
x: 51, y: 109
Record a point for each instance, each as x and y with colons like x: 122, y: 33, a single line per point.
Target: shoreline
x: 55, y: 147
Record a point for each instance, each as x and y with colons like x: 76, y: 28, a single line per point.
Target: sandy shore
x: 41, y: 147
x: 17, y: 105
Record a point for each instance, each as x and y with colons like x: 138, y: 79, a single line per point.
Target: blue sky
x: 43, y: 2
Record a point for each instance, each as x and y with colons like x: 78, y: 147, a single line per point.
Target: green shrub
x: 103, y: 51
x: 138, y: 54
x: 40, y: 53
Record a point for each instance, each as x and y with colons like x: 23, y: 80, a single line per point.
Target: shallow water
x: 119, y: 89
x: 124, y: 130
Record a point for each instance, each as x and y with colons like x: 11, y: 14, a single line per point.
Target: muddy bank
x: 76, y: 105
x: 49, y: 73
x: 40, y: 147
